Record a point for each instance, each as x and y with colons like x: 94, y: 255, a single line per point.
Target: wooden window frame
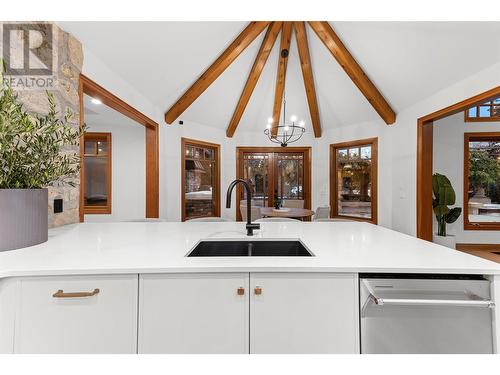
x: 307, y: 151
x: 495, y: 118
x: 373, y: 142
x: 215, y: 197
x: 101, y: 210
x: 467, y: 224
x: 152, y: 196
x: 425, y: 126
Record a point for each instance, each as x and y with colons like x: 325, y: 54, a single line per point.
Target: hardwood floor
x: 486, y: 251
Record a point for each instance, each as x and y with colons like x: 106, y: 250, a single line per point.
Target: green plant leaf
x: 441, y: 210
x: 453, y: 215
x: 446, y: 195
x: 34, y: 148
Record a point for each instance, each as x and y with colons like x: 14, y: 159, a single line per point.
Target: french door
x: 274, y: 173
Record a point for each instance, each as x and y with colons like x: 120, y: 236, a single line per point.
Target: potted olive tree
x: 444, y: 195
x: 34, y: 154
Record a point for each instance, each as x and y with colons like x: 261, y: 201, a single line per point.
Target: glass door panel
x: 354, y: 189
x: 97, y: 176
x: 275, y: 173
x: 256, y: 170
x: 290, y: 179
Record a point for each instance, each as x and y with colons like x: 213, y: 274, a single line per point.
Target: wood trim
x: 193, y: 142
x: 253, y: 77
x: 227, y: 57
x: 338, y: 50
x: 307, y: 151
x: 286, y: 38
x: 152, y: 172
x: 81, y: 214
x: 307, y: 75
x: 424, y: 157
x: 467, y: 224
x: 480, y: 119
x: 104, y: 210
x: 424, y: 180
x: 374, y: 178
x: 91, y: 88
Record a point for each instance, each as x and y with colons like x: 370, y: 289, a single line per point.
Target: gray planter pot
x: 23, y: 218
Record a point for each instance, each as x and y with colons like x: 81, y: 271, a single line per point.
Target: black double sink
x: 242, y: 248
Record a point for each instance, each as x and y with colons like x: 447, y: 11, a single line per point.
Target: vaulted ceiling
x: 406, y: 61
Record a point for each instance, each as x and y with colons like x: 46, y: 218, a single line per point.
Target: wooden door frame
x: 91, y: 88
x: 195, y: 142
x: 373, y: 142
x: 307, y: 150
x: 424, y: 157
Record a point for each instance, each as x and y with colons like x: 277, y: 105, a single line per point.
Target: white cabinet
x: 8, y: 299
x: 193, y: 313
x: 294, y: 313
x: 304, y: 313
x: 76, y: 314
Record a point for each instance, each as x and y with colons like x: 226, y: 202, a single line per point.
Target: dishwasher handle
x: 425, y: 302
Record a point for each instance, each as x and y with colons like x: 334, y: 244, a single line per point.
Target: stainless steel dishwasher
x: 425, y: 314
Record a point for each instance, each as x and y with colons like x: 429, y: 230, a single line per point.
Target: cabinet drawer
x: 77, y: 314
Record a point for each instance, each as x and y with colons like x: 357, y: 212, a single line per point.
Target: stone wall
x: 68, y: 61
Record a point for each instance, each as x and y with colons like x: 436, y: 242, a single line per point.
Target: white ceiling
x: 407, y: 61
x: 100, y: 116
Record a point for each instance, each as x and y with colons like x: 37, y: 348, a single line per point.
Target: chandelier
x: 286, y: 132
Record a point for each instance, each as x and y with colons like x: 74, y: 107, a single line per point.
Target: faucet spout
x: 250, y: 226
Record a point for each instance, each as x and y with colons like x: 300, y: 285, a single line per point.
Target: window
x: 200, y: 179
x: 353, y: 180
x: 482, y: 181
x: 487, y: 111
x: 97, y: 173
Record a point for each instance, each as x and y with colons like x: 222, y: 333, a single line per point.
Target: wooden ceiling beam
x: 307, y: 74
x: 260, y: 61
x: 286, y: 37
x: 333, y: 43
x: 243, y: 40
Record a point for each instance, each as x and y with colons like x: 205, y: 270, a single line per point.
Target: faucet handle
x: 250, y: 228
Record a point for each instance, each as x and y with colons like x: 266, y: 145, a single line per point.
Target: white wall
x: 448, y: 160
x: 128, y: 160
x: 403, y: 141
x: 397, y: 145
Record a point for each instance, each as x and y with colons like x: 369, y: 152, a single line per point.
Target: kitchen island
x: 140, y: 293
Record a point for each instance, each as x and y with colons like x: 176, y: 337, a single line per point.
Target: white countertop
x: 154, y: 247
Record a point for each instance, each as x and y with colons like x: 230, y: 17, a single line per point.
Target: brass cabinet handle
x: 258, y: 290
x: 240, y: 291
x: 60, y: 294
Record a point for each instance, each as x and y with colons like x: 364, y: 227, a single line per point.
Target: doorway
x: 425, y: 161
x: 274, y: 173
x: 100, y: 150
